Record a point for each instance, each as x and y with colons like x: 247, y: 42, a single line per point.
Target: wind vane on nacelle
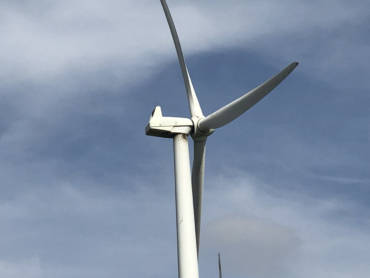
x: 189, y: 188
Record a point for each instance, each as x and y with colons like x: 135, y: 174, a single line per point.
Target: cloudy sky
x: 83, y: 191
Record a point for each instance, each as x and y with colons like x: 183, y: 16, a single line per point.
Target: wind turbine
x: 189, y: 187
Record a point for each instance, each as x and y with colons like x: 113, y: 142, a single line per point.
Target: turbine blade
x: 219, y: 266
x: 197, y: 181
x: 194, y: 106
x: 234, y: 109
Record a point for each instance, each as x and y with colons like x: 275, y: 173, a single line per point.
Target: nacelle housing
x: 167, y: 127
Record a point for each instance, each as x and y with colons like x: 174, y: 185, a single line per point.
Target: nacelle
x: 167, y: 127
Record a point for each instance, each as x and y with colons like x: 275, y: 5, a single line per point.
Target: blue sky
x: 83, y: 191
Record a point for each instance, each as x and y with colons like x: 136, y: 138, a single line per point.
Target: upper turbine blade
x: 194, y: 106
x: 219, y: 266
x: 234, y: 109
x: 197, y: 181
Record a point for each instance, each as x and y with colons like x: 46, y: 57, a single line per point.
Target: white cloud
x: 263, y: 232
x: 131, y: 39
x: 87, y: 233
x: 259, y: 230
x: 25, y: 269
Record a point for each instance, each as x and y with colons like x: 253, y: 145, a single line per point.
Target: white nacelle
x: 167, y: 127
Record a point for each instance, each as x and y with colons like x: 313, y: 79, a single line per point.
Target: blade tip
x: 293, y: 65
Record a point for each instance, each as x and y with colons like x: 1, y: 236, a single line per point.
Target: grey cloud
x: 84, y: 192
x: 251, y: 246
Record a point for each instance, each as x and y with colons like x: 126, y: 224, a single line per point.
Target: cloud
x: 84, y: 233
x: 262, y: 231
x: 84, y: 192
x: 25, y: 269
x: 59, y: 42
x: 251, y: 245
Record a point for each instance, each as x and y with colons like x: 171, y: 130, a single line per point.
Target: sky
x: 83, y: 191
